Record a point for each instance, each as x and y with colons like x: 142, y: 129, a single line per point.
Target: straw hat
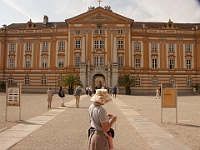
x: 101, y: 96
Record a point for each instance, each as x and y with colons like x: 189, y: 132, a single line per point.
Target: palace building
x: 99, y: 46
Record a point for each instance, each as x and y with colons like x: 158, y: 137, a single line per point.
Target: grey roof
x: 161, y: 24
x: 37, y: 25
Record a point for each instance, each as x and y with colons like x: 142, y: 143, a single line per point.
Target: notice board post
x: 169, y: 98
x: 13, y: 97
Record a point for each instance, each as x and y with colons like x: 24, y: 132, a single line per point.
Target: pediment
x: 99, y: 15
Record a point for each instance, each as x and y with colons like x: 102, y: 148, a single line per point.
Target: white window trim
x: 43, y: 80
x: 137, y: 63
x: 120, y: 44
x: 120, y: 62
x: 77, y: 61
x: 78, y: 44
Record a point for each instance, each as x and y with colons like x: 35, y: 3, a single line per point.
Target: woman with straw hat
x: 100, y: 121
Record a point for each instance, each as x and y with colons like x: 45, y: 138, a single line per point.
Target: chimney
x: 4, y: 26
x: 45, y: 19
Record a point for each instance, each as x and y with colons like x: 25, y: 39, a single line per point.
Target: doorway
x: 99, y: 81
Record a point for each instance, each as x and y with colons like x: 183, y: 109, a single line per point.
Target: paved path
x: 66, y: 129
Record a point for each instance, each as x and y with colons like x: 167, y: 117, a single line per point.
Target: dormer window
x: 170, y: 24
x: 30, y: 24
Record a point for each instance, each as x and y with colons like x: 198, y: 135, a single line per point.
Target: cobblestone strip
x: 156, y: 137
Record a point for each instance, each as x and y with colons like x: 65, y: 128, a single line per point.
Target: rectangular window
x: 172, y: 81
x: 59, y: 79
x: 96, y: 44
x: 137, y: 46
x: 101, y: 44
x: 120, y: 62
x: 28, y: 63
x: 137, y: 81
x: 43, y: 80
x: 10, y: 79
x: 171, y: 64
x: 137, y: 63
x: 120, y: 31
x: 28, y: 46
x: 154, y: 81
x: 102, y: 32
x: 44, y: 46
x: 44, y: 62
x: 77, y: 61
x: 188, y: 64
x: 11, y: 63
x: 120, y: 44
x: 12, y: 47
x: 171, y: 47
x: 101, y: 61
x: 187, y: 48
x: 154, y: 47
x: 154, y: 63
x: 96, y: 61
x: 61, y: 46
x: 96, y: 31
x: 78, y: 44
x: 189, y: 81
x: 26, y: 80
x: 78, y: 31
x: 60, y: 62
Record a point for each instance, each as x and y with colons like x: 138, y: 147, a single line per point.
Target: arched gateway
x: 104, y: 75
x: 99, y: 81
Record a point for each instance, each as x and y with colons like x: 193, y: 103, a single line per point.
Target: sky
x: 21, y: 11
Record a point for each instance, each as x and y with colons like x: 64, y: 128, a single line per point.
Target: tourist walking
x: 61, y: 94
x: 100, y: 122
x: 90, y: 91
x: 77, y: 95
x: 49, y: 97
x: 114, y: 91
x: 157, y: 94
x: 87, y: 90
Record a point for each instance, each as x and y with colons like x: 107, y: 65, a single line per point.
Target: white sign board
x: 13, y: 97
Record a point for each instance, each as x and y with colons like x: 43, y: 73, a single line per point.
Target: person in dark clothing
x: 61, y: 94
x: 114, y: 91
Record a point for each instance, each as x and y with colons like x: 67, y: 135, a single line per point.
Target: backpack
x: 61, y: 94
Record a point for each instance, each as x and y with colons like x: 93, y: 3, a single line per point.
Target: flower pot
x: 128, y: 92
x: 71, y: 91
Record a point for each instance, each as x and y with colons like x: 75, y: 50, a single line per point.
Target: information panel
x: 13, y: 97
x: 169, y: 98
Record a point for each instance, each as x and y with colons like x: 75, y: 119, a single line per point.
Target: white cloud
x: 17, y: 8
x: 138, y: 10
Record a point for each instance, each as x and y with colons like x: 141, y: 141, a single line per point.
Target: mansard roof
x: 37, y: 25
x: 158, y: 25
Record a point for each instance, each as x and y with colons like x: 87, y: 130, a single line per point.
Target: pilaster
x: 114, y: 74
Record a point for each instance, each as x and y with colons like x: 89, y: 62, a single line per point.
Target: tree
x: 126, y: 81
x: 71, y: 81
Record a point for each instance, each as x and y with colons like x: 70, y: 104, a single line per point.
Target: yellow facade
x: 100, y: 44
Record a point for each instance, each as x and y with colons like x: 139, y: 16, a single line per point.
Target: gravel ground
x: 68, y: 131
x: 187, y: 129
x: 69, y: 128
x: 31, y: 105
